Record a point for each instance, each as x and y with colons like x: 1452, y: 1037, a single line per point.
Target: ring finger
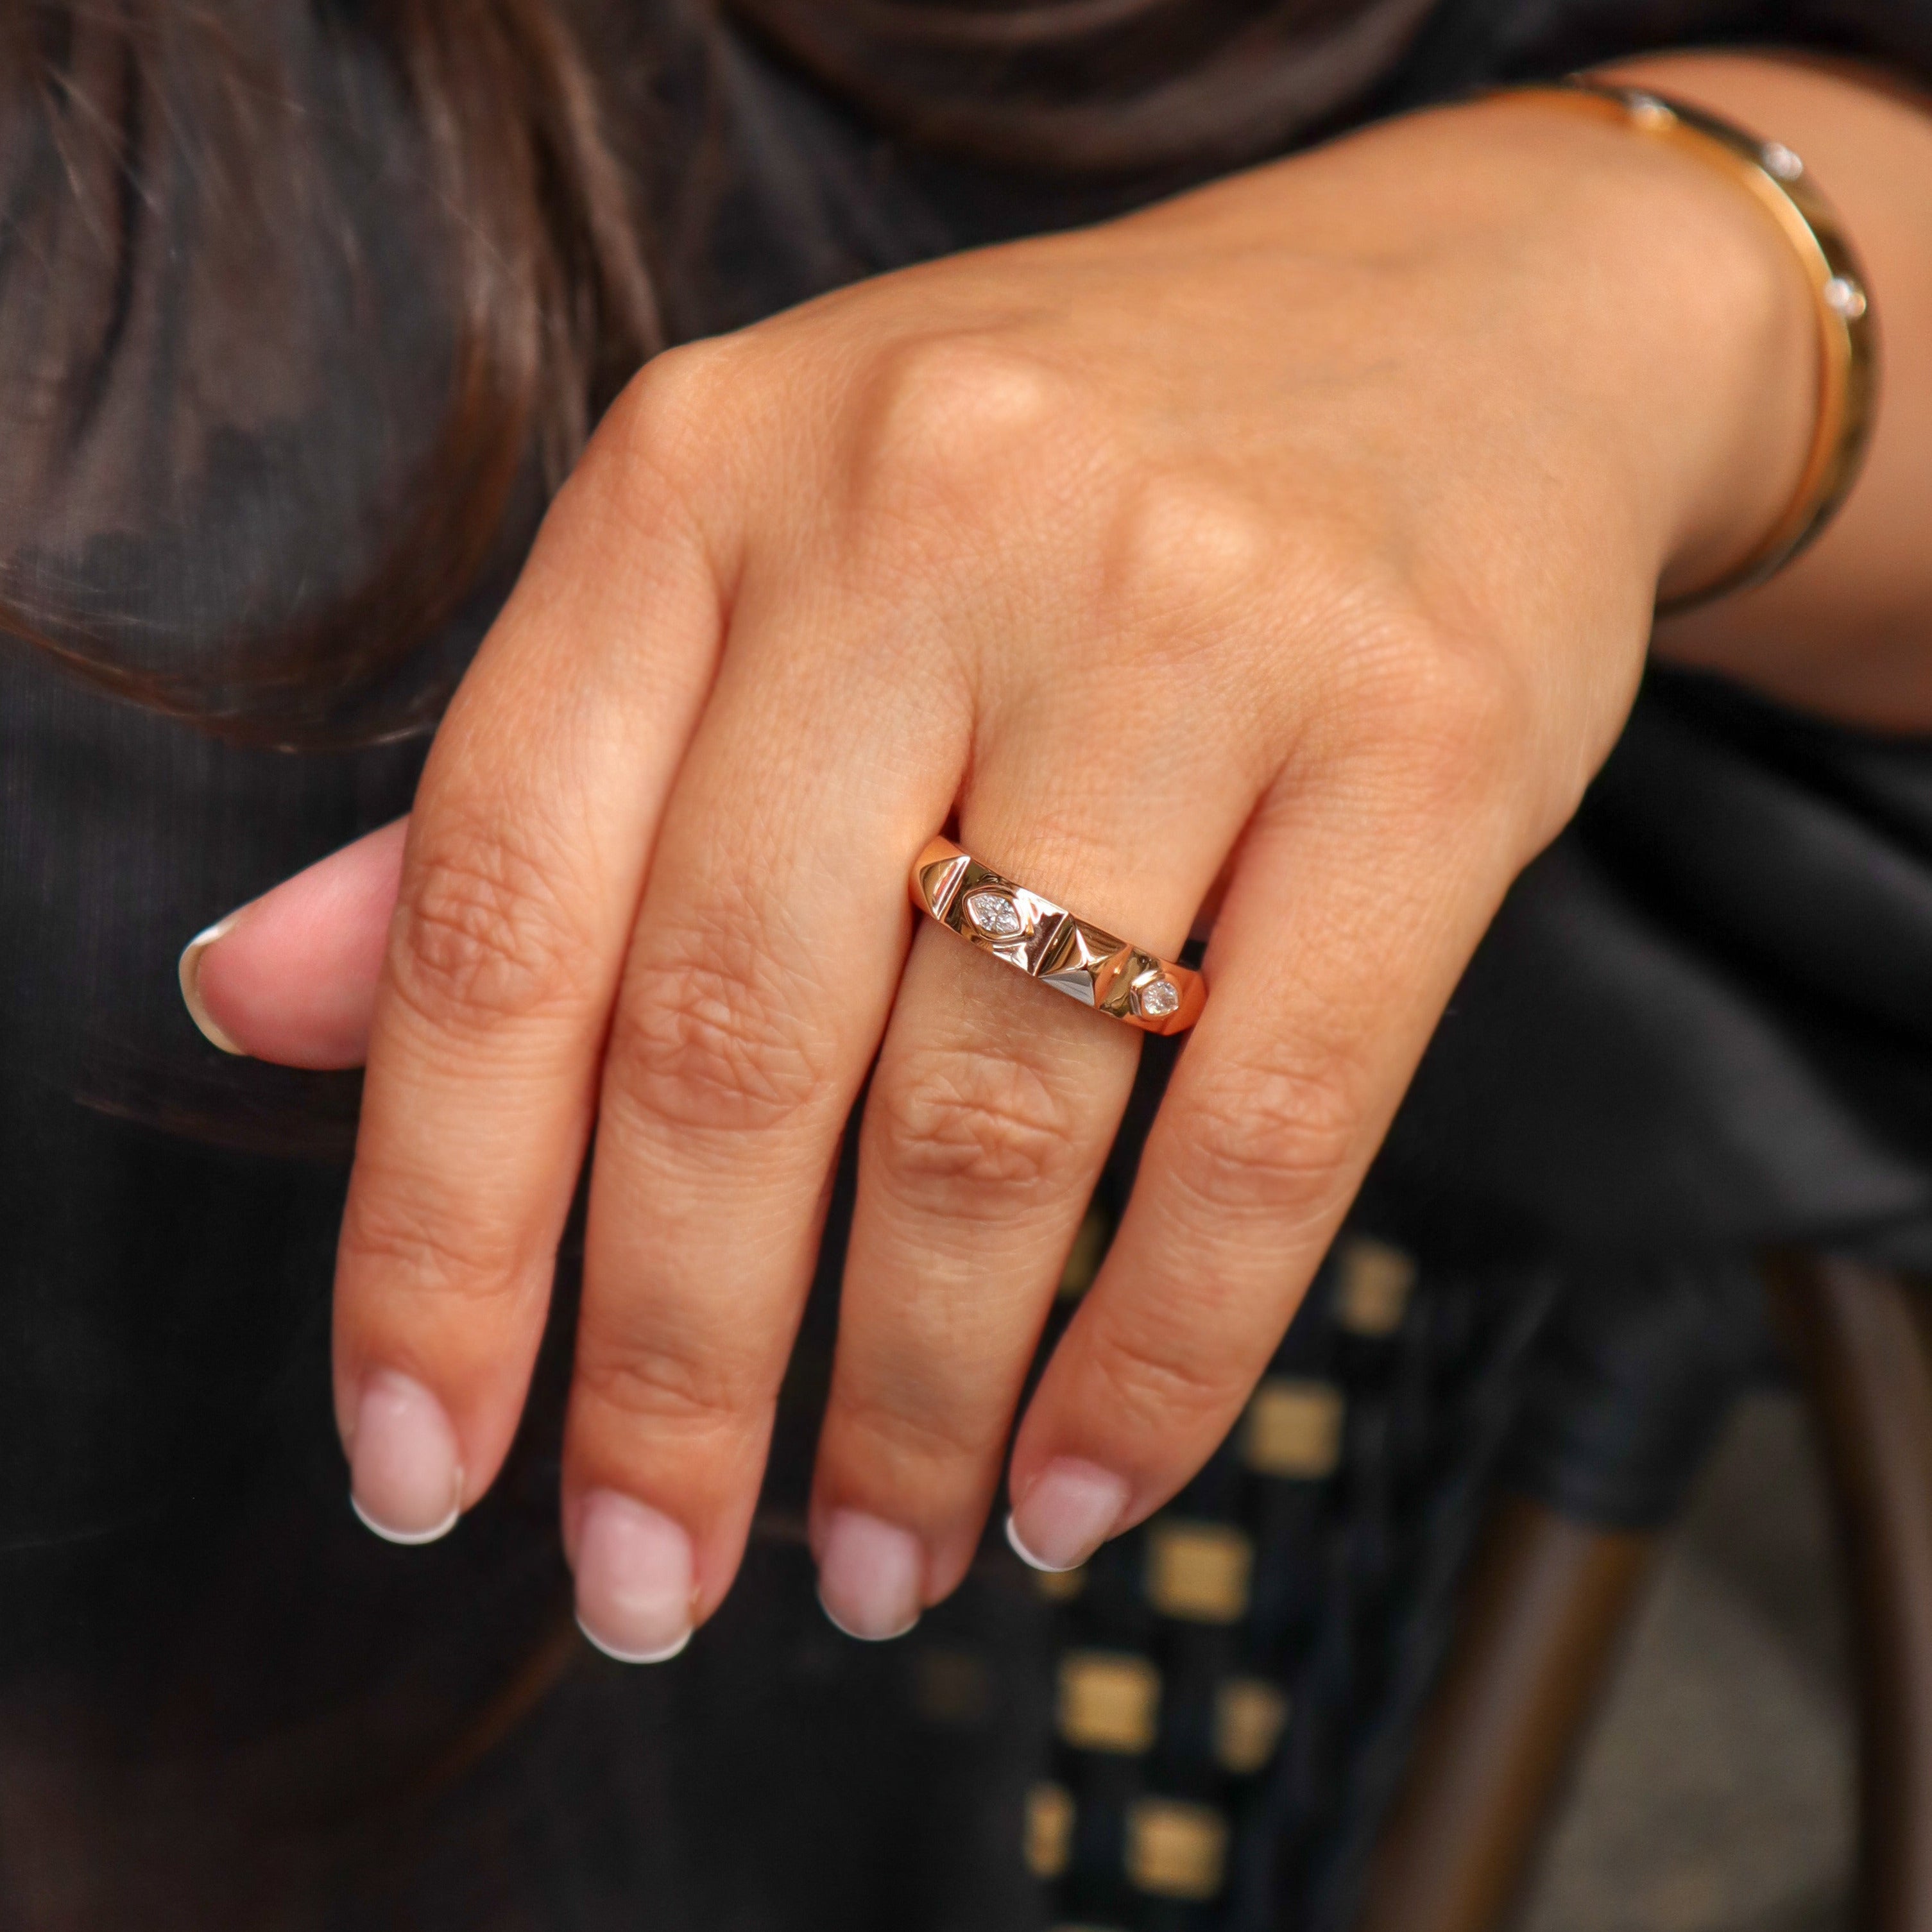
x: 991, y: 1111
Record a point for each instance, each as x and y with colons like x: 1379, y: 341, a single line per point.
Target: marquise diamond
x: 993, y: 913
x: 1158, y: 998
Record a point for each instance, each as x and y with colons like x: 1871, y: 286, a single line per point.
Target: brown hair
x: 553, y: 308
x: 552, y: 305
x: 1095, y: 87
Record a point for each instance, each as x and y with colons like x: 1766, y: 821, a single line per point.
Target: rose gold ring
x: 1047, y: 943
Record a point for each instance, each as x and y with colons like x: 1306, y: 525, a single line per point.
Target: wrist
x: 1717, y: 334
x: 1842, y: 631
x: 1545, y: 295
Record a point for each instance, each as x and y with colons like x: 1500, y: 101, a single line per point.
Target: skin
x: 1300, y: 534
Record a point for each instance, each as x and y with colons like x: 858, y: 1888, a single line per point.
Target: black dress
x: 1703, y: 1021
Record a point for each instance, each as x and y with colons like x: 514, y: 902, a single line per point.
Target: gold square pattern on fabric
x: 1109, y: 1700
x: 1176, y: 1850
x: 1059, y: 1586
x: 1088, y: 1251
x: 952, y: 1686
x: 1049, y: 1829
x: 1293, y: 1430
x: 1372, y: 1284
x: 1249, y: 1715
x: 1199, y: 1572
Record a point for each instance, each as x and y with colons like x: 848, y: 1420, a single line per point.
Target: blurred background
x: 1715, y: 1793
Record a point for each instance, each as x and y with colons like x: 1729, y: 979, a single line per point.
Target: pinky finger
x: 1338, y: 946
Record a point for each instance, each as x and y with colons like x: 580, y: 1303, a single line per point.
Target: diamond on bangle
x: 1775, y: 175
x: 1842, y: 296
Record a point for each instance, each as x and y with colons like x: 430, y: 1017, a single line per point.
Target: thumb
x: 291, y: 977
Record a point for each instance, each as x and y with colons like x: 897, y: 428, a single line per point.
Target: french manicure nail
x: 1071, y: 1509
x: 634, y: 1580
x: 869, y: 1576
x: 405, y: 1474
x: 190, y: 971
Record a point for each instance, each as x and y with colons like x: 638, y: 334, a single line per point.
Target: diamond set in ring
x: 1050, y: 944
x: 993, y: 913
x: 1158, y: 998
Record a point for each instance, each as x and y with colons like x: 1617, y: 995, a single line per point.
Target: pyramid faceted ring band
x: 1050, y: 944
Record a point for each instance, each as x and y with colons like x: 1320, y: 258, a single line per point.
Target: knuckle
x: 669, y: 410
x: 434, y: 1249
x: 705, y: 1391
x: 1160, y: 1371
x: 665, y: 448
x: 1457, y: 717
x: 718, y: 1036
x: 916, y: 1428
x: 482, y: 934
x: 952, y: 1123
x: 1188, y: 542
x: 1472, y: 703
x: 1268, y: 1135
x: 942, y: 412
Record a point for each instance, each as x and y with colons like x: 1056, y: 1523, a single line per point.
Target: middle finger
x: 771, y: 932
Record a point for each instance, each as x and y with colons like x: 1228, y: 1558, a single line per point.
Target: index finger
x: 525, y: 861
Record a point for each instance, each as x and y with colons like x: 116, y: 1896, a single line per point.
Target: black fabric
x: 1700, y: 1023
x: 1632, y: 1375
x: 1350, y: 1608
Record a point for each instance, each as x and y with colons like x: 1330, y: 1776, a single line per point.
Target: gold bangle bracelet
x: 1777, y: 178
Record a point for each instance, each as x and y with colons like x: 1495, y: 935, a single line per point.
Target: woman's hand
x: 1301, y: 533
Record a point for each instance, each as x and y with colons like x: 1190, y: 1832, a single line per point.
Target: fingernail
x: 869, y: 1576
x: 405, y: 1474
x: 634, y: 1579
x: 190, y: 971
x: 1069, y: 1511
